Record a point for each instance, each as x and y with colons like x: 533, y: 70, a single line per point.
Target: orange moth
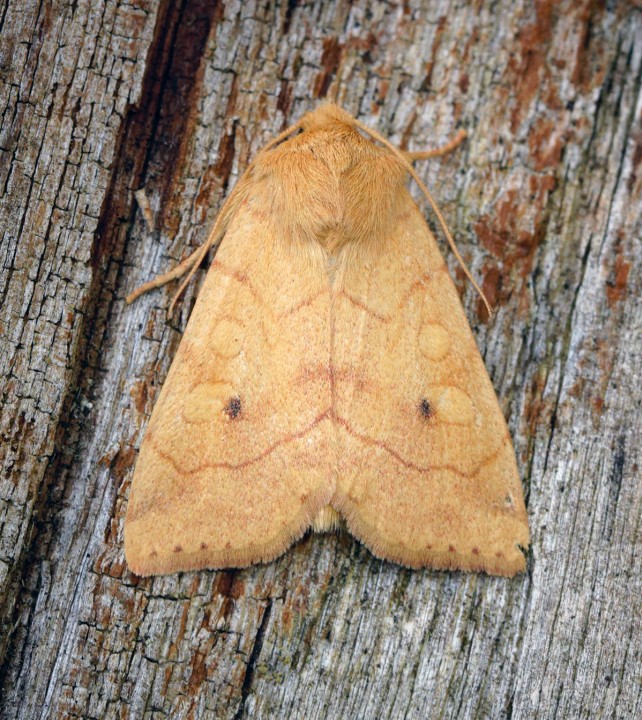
x: 327, y: 375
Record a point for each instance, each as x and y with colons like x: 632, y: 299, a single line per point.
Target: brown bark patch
x: 527, y: 69
x: 584, y: 72
x: 330, y: 61
x: 505, y: 235
x: 122, y: 463
x: 492, y: 285
x: 139, y: 396
x: 216, y: 177
x: 284, y: 101
x: 441, y: 24
x: 616, y: 288
x: 545, y: 143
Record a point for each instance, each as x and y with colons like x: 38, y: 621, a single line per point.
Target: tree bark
x: 544, y: 199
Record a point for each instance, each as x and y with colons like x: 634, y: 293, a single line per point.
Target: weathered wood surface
x: 68, y: 75
x: 100, y: 99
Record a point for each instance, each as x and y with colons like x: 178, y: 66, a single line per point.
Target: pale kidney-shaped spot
x: 206, y: 401
x: 454, y: 406
x: 434, y: 341
x: 226, y: 337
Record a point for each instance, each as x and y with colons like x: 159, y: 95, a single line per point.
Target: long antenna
x: 192, y: 262
x: 406, y: 164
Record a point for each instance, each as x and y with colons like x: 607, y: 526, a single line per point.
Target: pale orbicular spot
x: 452, y: 405
x: 434, y: 341
x: 226, y: 338
x: 207, y: 401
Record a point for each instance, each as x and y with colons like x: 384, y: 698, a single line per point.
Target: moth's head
x: 324, y: 116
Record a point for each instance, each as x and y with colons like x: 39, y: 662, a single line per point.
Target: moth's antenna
x: 282, y: 136
x: 438, y: 151
x: 192, y: 262
x: 413, y: 174
x: 200, y: 254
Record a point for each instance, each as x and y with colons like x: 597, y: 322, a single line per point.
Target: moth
x: 327, y: 376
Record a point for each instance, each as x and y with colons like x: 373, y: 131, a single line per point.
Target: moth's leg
x: 161, y: 280
x: 439, y: 151
x: 190, y: 264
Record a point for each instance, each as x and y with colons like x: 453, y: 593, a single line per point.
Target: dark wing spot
x: 425, y: 409
x: 233, y: 407
x: 203, y: 546
x: 475, y: 551
x: 178, y: 548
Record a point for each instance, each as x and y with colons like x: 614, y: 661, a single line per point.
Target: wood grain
x: 544, y: 200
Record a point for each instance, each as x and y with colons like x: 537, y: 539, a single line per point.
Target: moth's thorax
x: 332, y: 186
x: 338, y: 145
x: 325, y: 115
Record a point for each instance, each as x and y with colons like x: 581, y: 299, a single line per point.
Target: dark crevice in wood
x: 615, y: 486
x: 154, y: 134
x: 566, y: 345
x: 289, y: 10
x: 253, y: 659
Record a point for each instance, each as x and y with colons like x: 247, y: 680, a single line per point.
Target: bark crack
x: 255, y: 653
